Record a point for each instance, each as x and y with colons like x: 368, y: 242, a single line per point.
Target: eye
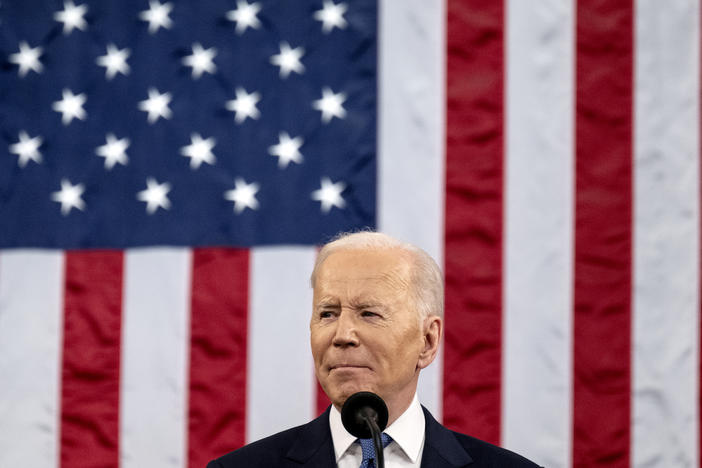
x: 325, y: 314
x: 369, y: 313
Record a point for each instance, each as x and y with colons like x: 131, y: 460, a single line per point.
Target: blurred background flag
x: 168, y: 169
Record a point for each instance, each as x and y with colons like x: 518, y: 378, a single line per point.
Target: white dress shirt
x: 405, y: 450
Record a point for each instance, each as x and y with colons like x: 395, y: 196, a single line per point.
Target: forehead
x: 360, y: 267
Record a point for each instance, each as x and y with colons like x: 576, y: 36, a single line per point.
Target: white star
x: 115, y: 61
x: 329, y: 194
x: 27, y: 58
x: 155, y: 195
x: 72, y: 17
x: 156, y: 105
x: 113, y: 151
x: 71, y: 106
x: 157, y: 15
x: 331, y: 16
x: 245, y: 16
x: 244, y: 105
x: 330, y: 105
x: 243, y: 195
x: 27, y: 149
x: 69, y: 196
x: 199, y: 151
x: 201, y: 60
x: 287, y: 150
x: 289, y: 60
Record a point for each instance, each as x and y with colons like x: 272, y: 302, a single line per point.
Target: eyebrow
x: 330, y: 303
x: 365, y: 304
x: 327, y: 303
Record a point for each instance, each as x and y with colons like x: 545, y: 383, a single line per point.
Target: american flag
x: 167, y: 169
x: 194, y: 123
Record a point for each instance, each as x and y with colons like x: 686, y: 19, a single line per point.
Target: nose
x: 345, y: 334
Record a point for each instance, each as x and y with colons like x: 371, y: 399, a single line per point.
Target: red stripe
x: 91, y: 359
x: 219, y: 309
x: 322, y: 401
x: 473, y: 248
x: 603, y: 233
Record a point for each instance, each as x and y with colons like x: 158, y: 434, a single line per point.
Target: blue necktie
x: 369, y: 450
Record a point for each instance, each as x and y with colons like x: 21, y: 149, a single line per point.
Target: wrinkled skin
x: 365, y: 333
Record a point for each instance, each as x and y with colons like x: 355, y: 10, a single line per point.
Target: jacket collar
x: 314, y: 447
x: 441, y: 446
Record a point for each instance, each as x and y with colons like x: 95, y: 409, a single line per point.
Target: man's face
x: 365, y: 331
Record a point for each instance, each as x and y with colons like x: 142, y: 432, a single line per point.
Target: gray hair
x: 427, y: 283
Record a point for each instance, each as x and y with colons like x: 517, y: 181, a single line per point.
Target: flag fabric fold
x: 168, y: 170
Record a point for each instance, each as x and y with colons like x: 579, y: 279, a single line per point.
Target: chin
x: 340, y: 393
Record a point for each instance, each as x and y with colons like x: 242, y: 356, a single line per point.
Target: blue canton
x: 130, y: 123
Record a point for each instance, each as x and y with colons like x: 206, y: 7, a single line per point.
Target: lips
x: 347, y: 366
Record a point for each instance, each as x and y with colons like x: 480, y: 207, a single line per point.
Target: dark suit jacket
x: 311, y: 446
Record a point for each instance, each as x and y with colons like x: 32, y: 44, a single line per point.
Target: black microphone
x: 365, y: 416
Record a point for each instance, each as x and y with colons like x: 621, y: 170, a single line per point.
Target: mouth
x: 347, y: 367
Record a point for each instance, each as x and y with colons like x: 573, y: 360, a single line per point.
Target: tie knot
x: 368, y: 448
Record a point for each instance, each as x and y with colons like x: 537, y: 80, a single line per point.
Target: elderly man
x: 376, y: 323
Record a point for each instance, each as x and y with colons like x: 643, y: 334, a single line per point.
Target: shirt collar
x: 407, y: 431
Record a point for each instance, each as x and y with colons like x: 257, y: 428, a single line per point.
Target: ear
x: 433, y: 330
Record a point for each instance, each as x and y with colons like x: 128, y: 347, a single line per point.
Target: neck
x: 399, y: 404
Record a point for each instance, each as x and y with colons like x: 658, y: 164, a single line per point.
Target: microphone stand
x: 365, y: 415
x: 370, y: 417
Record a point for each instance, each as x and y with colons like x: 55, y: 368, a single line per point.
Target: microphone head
x: 357, y: 408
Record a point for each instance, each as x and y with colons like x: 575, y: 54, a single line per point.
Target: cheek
x: 405, y: 354
x: 318, y: 344
x: 315, y: 347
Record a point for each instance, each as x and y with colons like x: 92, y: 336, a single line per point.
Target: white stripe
x: 31, y: 321
x: 155, y: 337
x: 411, y: 138
x: 281, y: 392
x: 536, y: 417
x: 666, y: 235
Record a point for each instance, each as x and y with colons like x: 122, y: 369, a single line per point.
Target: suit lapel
x: 314, y: 447
x: 441, y: 447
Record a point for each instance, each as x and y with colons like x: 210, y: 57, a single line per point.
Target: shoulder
x: 460, y: 449
x: 489, y: 455
x: 286, y: 448
x: 269, y: 451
